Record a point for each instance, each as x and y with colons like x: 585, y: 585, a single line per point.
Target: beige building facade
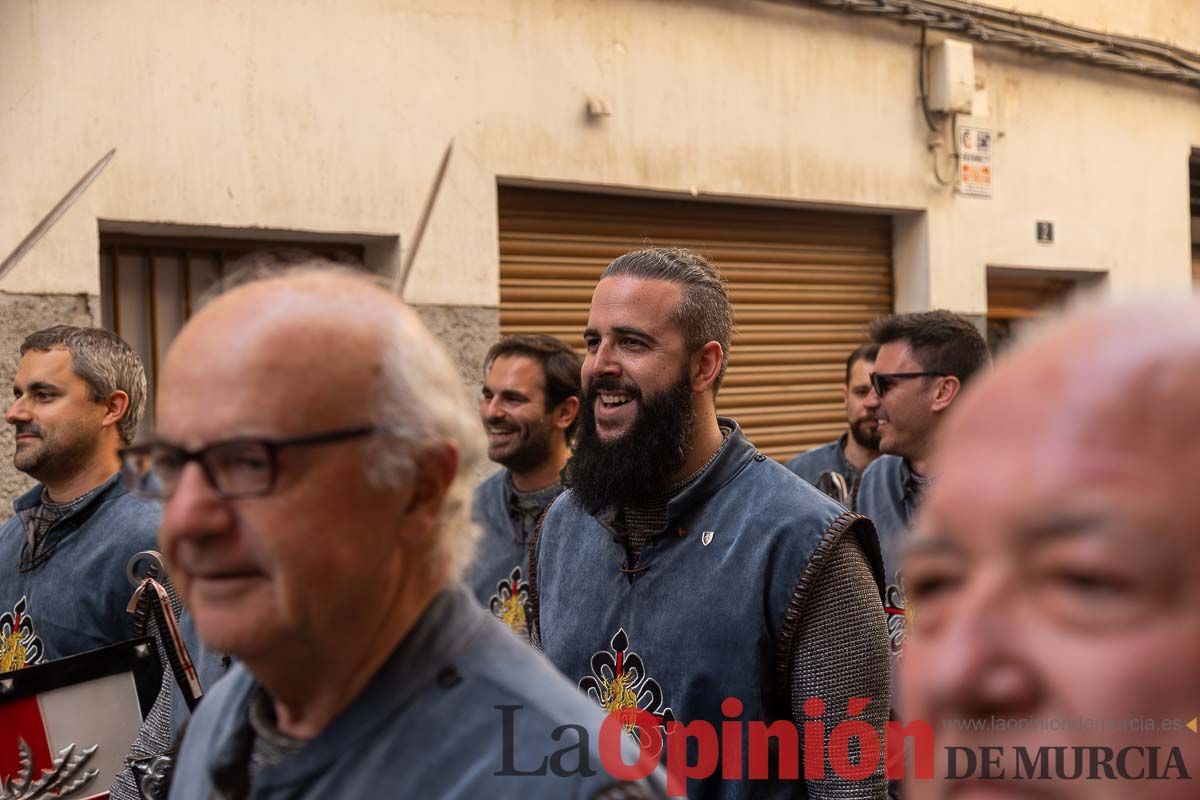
x: 281, y: 121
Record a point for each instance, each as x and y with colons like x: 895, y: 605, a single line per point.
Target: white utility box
x: 951, y: 88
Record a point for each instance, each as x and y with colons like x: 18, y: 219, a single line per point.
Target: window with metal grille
x: 149, y: 286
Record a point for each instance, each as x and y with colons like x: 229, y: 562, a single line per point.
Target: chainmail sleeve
x: 149, y: 759
x: 840, y: 651
x: 535, y: 623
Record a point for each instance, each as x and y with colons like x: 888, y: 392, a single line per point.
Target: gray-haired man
x: 314, y: 453
x: 77, y: 398
x: 1055, y: 568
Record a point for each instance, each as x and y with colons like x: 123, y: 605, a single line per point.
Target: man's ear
x: 948, y: 389
x: 845, y: 395
x: 115, y: 406
x: 565, y: 412
x: 705, y: 365
x: 433, y: 474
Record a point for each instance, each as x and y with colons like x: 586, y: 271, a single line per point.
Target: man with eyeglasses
x: 314, y: 452
x: 924, y: 360
x: 1055, y: 567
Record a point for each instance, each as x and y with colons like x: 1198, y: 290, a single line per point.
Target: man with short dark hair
x: 835, y: 468
x: 1055, y: 567
x: 529, y: 403
x: 683, y: 573
x: 314, y: 452
x: 924, y: 360
x: 78, y: 396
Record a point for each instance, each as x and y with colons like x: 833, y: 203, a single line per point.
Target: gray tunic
x: 461, y: 709
x: 66, y: 593
x: 830, y: 457
x: 727, y: 599
x: 499, y: 576
x: 889, y: 494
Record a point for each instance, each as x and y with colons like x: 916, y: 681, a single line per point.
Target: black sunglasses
x: 884, y: 382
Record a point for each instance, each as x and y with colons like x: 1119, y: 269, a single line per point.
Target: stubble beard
x: 54, y: 457
x: 866, y: 433
x: 531, y: 451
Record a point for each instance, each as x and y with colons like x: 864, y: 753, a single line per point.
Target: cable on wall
x: 1034, y: 33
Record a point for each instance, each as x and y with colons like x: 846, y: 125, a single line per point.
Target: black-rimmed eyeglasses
x: 884, y: 382
x: 234, y: 468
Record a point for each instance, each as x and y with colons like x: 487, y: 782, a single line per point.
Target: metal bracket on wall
x: 55, y: 214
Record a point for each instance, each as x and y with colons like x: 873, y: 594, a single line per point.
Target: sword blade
x: 55, y: 213
x: 419, y: 233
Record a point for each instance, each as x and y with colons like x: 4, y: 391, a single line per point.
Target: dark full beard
x: 532, y: 452
x: 865, y: 438
x: 639, y: 465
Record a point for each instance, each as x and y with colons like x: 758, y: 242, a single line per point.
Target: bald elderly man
x: 314, y: 452
x: 1054, y: 572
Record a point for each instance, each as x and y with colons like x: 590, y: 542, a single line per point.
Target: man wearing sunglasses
x: 314, y: 453
x: 1055, y: 566
x: 924, y: 360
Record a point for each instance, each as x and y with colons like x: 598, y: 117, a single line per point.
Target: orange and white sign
x: 974, y: 161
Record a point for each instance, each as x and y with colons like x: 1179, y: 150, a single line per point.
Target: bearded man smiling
x: 683, y: 573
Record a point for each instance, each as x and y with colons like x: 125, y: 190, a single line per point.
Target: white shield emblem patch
x: 706, y: 538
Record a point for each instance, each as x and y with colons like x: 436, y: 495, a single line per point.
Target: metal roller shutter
x: 803, y: 285
x: 1017, y: 297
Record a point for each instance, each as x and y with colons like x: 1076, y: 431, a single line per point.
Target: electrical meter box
x: 951, y: 88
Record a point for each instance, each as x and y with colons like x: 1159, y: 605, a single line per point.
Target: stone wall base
x: 466, y: 331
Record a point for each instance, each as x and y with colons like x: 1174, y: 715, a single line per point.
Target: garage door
x: 803, y: 285
x: 1015, y: 297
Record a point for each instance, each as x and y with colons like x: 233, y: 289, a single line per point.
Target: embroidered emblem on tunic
x: 619, y: 683
x: 511, y: 605
x: 899, y: 615
x: 20, y: 646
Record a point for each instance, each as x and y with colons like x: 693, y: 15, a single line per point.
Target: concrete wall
x: 1176, y: 22
x: 331, y: 116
